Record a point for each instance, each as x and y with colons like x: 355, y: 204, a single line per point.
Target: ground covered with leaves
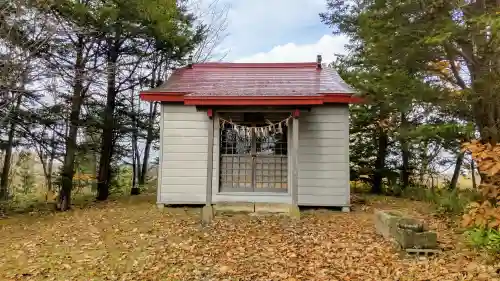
x: 127, y: 240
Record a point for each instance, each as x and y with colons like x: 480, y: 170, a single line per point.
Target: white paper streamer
x: 264, y: 131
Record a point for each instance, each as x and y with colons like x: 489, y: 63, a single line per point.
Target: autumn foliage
x: 485, y: 214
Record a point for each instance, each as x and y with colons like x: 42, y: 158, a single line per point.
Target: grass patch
x: 36, y: 204
x: 488, y: 239
x: 449, y: 202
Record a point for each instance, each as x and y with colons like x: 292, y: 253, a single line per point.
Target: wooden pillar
x: 295, y: 158
x: 210, y: 157
x: 207, y: 213
x: 159, y: 186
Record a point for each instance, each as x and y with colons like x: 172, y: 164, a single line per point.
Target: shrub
x: 446, y: 201
x: 484, y: 238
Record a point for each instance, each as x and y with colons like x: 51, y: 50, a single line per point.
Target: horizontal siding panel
x: 321, y: 191
x: 195, y: 164
x: 180, y: 198
x: 322, y: 127
x: 179, y: 180
x: 323, y: 165
x: 184, y: 172
x: 175, y: 156
x: 340, y: 134
x: 182, y: 125
x: 339, y: 150
x: 181, y: 148
x: 312, y: 200
x: 312, y: 166
x: 321, y: 142
x: 185, y: 133
x: 179, y: 108
x: 323, y: 183
x: 330, y: 110
x: 184, y: 155
x: 333, y: 175
x: 187, y: 188
x: 337, y: 118
x: 319, y: 158
x: 189, y: 141
x: 185, y: 116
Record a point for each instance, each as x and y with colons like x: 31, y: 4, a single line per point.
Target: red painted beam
x: 257, y: 100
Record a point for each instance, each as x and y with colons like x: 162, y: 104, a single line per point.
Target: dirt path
x: 135, y: 241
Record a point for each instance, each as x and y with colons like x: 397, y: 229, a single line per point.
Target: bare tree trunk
x: 135, y: 150
x: 50, y: 163
x: 149, y: 140
x: 456, y: 172
x: 473, y: 170
x: 47, y: 161
x: 405, y: 151
x: 4, y: 180
x: 107, y: 137
x: 425, y: 163
x: 383, y: 142
x: 68, y: 170
x: 134, y: 190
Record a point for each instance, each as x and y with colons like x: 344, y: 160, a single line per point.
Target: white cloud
x: 255, y: 25
x: 328, y: 46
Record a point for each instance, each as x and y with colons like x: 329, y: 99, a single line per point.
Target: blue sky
x: 278, y: 30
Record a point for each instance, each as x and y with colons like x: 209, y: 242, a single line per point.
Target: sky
x: 278, y: 31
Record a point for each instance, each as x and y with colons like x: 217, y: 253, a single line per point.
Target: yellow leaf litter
x: 136, y: 241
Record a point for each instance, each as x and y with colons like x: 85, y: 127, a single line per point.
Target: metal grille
x: 251, y: 163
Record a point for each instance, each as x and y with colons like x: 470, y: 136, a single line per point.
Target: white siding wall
x: 183, y: 170
x: 324, y: 156
x: 323, y: 159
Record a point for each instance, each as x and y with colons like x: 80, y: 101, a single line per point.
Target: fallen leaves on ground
x: 135, y: 241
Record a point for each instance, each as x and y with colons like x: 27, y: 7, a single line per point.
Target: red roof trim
x: 173, y: 97
x: 341, y: 98
x: 162, y: 96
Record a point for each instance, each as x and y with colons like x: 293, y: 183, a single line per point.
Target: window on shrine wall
x: 237, y: 143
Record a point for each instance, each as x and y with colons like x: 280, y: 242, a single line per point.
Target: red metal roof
x: 208, y: 82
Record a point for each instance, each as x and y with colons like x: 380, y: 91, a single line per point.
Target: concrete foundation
x: 271, y: 208
x: 258, y: 208
x: 234, y: 207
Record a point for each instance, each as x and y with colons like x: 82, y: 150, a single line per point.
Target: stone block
x: 207, y: 214
x: 407, y: 232
x: 294, y: 212
x: 407, y: 239
x: 385, y: 221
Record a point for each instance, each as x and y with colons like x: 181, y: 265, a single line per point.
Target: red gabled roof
x: 252, y: 84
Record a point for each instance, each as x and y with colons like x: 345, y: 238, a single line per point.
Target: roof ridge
x: 255, y: 65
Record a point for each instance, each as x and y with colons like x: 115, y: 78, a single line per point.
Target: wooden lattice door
x: 253, y: 163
